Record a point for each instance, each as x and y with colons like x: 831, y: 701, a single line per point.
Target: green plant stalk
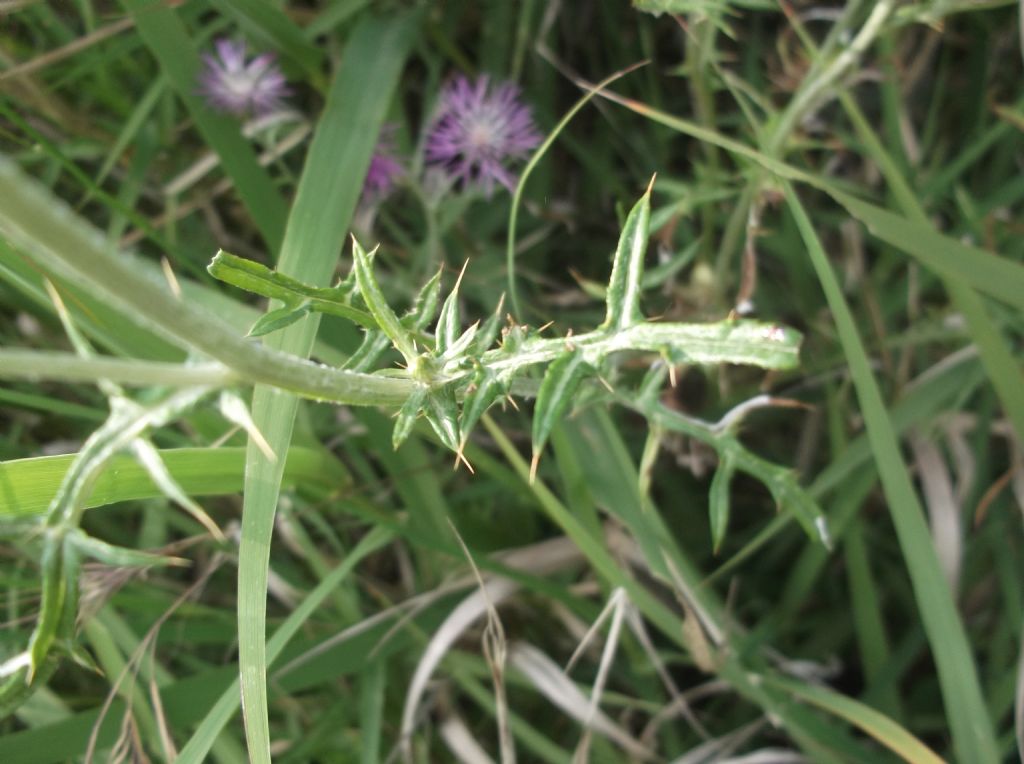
x: 36, y: 365
x: 971, y: 727
x: 743, y: 342
x: 64, y: 513
x: 256, y: 277
x: 34, y: 220
x: 43, y: 226
x: 198, y: 746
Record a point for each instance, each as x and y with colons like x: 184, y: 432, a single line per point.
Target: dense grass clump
x: 509, y: 382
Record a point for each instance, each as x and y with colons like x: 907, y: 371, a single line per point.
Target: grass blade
x: 988, y: 273
x: 879, y: 726
x: 29, y: 484
x: 971, y: 727
x: 331, y: 182
x: 198, y: 746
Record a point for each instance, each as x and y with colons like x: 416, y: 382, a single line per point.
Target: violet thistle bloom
x: 479, y: 128
x: 385, y: 169
x: 232, y: 85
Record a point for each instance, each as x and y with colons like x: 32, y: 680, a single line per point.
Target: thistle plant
x: 452, y: 464
x: 449, y: 374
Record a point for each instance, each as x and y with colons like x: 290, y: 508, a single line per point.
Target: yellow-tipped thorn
x: 462, y: 273
x: 172, y: 280
x: 533, y: 466
x: 461, y: 457
x: 672, y: 374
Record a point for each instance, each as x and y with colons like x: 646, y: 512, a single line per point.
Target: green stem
x: 38, y: 365
x: 741, y: 342
x: 38, y: 223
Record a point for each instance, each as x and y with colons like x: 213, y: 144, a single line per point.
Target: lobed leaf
x: 407, y: 416
x: 560, y: 383
x: 424, y: 307
x: 280, y: 318
x: 625, y: 286
x: 259, y: 279
x: 718, y: 500
x: 486, y: 388
x: 443, y: 414
x: 489, y: 331
x: 374, y: 298
x: 449, y: 322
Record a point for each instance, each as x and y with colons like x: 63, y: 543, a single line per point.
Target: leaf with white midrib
x: 362, y: 263
x: 560, y: 382
x: 625, y: 286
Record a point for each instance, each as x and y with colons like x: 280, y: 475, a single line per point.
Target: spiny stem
x: 36, y: 221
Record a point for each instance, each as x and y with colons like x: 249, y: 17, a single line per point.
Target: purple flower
x: 229, y: 84
x: 385, y: 169
x: 478, y: 129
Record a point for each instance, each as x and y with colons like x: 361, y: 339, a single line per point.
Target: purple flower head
x: 230, y: 84
x: 385, y: 169
x: 480, y: 126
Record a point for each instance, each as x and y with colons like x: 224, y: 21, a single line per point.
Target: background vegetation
x: 851, y: 171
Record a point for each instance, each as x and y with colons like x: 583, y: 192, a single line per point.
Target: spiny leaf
x: 443, y: 414
x: 718, y: 502
x: 374, y: 343
x: 449, y: 323
x: 486, y: 389
x: 625, y: 285
x: 259, y: 279
x: 235, y: 410
x: 280, y: 318
x: 489, y: 331
x: 378, y: 305
x: 407, y: 416
x: 462, y: 344
x: 150, y: 459
x: 109, y: 554
x: 790, y: 496
x: 560, y: 382
x: 424, y: 308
